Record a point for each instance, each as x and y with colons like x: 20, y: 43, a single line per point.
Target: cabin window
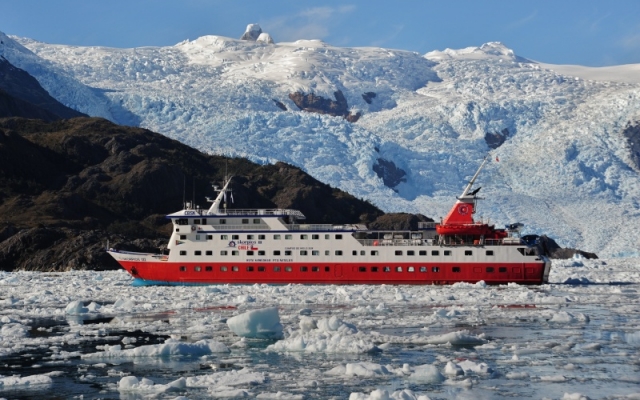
x: 197, y: 268
x: 235, y: 268
x: 223, y: 252
x: 326, y: 236
x: 327, y: 268
x: 338, y: 237
x: 315, y: 269
x: 303, y: 252
x: 502, y: 269
x: 489, y: 269
x: 223, y: 222
x: 224, y: 237
x: 256, y: 220
x: 363, y: 252
x: 468, y: 252
x: 374, y: 269
x: 235, y: 237
x: 447, y: 252
x: 410, y: 269
x: 435, y: 269
x: 304, y: 237
x: 338, y: 252
x: 209, y: 252
x: 435, y: 252
x: 374, y: 252
x: 261, y: 252
x: 288, y: 269
x: 423, y: 252
x: 455, y: 269
x: 315, y: 252
x: 386, y: 269
x: 249, y: 268
x: 276, y: 268
x: 276, y: 252
x: 276, y: 237
x: 208, y: 268
x: 204, y: 221
x: 196, y: 222
x: 249, y: 252
x: 183, y: 268
x: 209, y: 237
x: 223, y: 268
x: 362, y: 269
x: 423, y: 269
x: 327, y: 252
x: 197, y: 237
x: 245, y: 221
x: 489, y: 252
x: 261, y: 269
x: 303, y: 269
x: 235, y: 252
x: 288, y: 237
x: 250, y: 237
x: 261, y: 237
x: 398, y: 269
x: 198, y: 253
x: 354, y: 252
x: 183, y: 237
x: 411, y: 253
x: 183, y: 252
x: 398, y: 252
x: 315, y: 237
x: 287, y: 252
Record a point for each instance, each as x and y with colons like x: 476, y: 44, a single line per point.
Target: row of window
x: 327, y: 252
x: 277, y: 268
x: 222, y: 221
x: 263, y: 237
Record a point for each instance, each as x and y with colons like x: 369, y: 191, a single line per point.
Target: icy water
x: 88, y: 334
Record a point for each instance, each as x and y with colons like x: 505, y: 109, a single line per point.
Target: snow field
x: 578, y: 335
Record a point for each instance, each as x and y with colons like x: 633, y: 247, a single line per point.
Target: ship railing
x: 254, y: 211
x: 427, y: 225
x: 325, y: 227
x: 395, y: 242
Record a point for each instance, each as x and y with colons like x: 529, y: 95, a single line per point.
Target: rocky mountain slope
x: 403, y: 130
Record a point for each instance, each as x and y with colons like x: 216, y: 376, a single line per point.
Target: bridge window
x: 455, y: 269
x: 182, y: 221
x: 489, y: 252
x: 204, y: 221
x: 223, y: 222
x: 196, y: 222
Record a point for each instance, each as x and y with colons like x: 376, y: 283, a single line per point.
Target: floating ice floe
x: 380, y: 394
x: 426, y: 374
x: 147, y: 386
x: 361, y: 369
x: 26, y: 381
x: 457, y: 338
x: 170, y: 347
x: 261, y: 324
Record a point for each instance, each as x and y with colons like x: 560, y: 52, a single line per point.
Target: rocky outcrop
x: 265, y: 38
x: 390, y: 174
x: 280, y: 105
x: 553, y: 250
x: 496, y: 139
x: 368, y: 97
x: 252, y: 32
x: 632, y: 133
x: 318, y: 104
x: 67, y: 187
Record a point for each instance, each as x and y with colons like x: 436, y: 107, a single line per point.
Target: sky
x: 582, y: 32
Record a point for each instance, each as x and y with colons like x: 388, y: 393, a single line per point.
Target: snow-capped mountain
x: 423, y: 122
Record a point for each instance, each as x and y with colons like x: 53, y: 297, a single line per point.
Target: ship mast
x: 215, y: 207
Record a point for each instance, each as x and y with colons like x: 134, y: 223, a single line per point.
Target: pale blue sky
x: 585, y: 32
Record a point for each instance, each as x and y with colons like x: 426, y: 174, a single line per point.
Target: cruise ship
x: 221, y: 245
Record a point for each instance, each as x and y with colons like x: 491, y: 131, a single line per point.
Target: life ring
x: 193, y: 228
x: 375, y: 243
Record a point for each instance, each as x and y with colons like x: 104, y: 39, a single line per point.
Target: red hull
x: 398, y: 274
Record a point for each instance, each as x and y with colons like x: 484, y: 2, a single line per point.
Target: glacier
x: 565, y: 169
